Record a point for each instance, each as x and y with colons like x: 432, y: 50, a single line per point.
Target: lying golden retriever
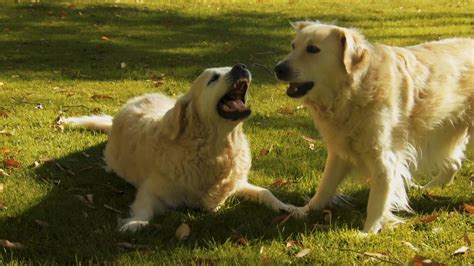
x: 191, y: 152
x: 382, y: 111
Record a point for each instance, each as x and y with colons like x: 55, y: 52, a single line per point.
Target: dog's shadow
x: 80, y: 216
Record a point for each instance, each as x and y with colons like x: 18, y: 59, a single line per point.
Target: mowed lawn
x: 58, y: 205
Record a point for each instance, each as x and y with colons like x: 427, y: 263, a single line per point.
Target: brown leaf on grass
x: 101, y: 97
x: 466, y: 239
x: 85, y: 200
x: 266, y: 261
x: 461, y: 251
x: 423, y: 261
x: 281, y: 219
x: 286, y: 110
x: 12, y: 245
x: 327, y: 216
x: 5, y: 150
x: 183, y: 231
x: 266, y: 151
x: 242, y: 241
x: 428, y: 219
x: 303, y: 253
x: 279, y: 183
x: 3, y: 114
x: 468, y: 207
x: 11, y: 163
x: 41, y: 223
x: 3, y: 206
x: 104, y: 38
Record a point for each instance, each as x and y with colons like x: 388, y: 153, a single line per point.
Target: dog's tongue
x: 234, y: 106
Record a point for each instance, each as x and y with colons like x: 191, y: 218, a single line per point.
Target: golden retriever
x: 186, y: 153
x: 382, y: 111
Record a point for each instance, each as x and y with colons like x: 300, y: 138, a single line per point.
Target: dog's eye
x: 312, y: 49
x: 213, y: 78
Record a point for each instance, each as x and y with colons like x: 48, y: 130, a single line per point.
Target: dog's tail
x: 98, y: 122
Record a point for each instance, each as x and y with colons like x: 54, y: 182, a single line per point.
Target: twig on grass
x: 368, y: 255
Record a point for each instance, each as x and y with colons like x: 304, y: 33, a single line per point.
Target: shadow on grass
x: 55, y: 42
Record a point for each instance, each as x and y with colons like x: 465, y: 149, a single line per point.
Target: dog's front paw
x: 298, y: 212
x: 131, y: 225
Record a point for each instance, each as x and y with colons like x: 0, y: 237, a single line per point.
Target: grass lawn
x: 85, y: 58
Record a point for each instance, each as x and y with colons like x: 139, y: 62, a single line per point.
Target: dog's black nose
x: 283, y: 71
x: 239, y: 67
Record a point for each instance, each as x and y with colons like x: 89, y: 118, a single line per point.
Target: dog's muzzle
x: 232, y: 105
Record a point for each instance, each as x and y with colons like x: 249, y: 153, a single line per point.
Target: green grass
x: 53, y: 54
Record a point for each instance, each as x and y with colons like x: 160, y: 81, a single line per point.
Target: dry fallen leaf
x: 183, y: 231
x: 327, y: 216
x: 311, y: 146
x: 5, y: 150
x: 281, y: 219
x: 123, y: 65
x: 13, y: 245
x: 422, y: 261
x: 243, y: 241
x: 286, y: 110
x: 466, y: 239
x: 266, y: 261
x: 303, y: 253
x: 87, y: 201
x: 469, y: 208
x: 461, y: 251
x: 41, y: 223
x: 104, y: 38
x: 11, y: 163
x: 293, y: 243
x: 3, y: 114
x: 428, y: 219
x: 3, y: 173
x: 101, y: 97
x: 279, y: 183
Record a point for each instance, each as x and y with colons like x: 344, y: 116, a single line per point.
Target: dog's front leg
x: 141, y: 210
x: 378, y: 207
x: 335, y: 171
x: 264, y: 196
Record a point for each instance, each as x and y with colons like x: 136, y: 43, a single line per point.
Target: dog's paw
x: 131, y: 225
x: 298, y: 212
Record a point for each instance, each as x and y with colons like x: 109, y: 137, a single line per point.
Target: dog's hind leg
x: 265, y: 197
x: 142, y: 210
x: 451, y: 150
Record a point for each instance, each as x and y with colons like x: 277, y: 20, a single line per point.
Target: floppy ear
x: 299, y: 25
x: 174, y: 121
x: 354, y: 50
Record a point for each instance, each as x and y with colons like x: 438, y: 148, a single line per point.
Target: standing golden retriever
x: 382, y: 110
x: 191, y: 152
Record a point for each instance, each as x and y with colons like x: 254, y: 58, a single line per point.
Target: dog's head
x: 218, y: 97
x: 322, y: 55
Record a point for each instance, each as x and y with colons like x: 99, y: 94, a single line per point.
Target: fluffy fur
x: 382, y: 111
x: 180, y: 153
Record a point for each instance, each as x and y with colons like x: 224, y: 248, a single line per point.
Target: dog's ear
x: 175, y: 120
x: 299, y: 25
x: 354, y: 50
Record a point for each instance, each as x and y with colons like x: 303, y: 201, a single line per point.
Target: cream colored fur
x: 385, y: 111
x: 180, y: 153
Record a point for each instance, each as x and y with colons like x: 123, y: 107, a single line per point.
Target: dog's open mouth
x: 232, y: 105
x: 299, y: 89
